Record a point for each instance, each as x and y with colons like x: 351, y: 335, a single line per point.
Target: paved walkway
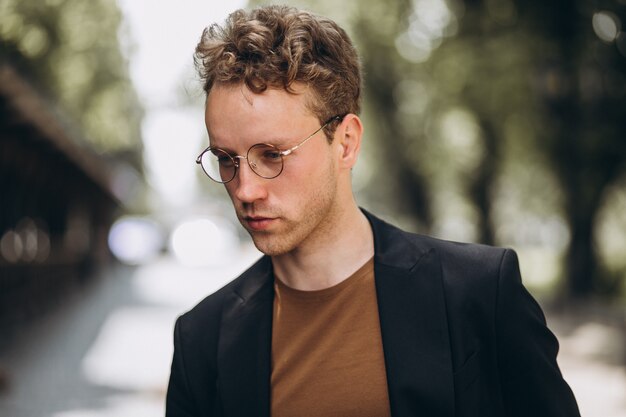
x: 107, y: 352
x: 593, y: 359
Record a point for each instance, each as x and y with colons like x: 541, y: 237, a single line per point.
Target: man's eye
x: 271, y: 154
x: 225, y: 161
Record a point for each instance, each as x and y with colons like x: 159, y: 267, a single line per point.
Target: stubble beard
x: 312, y: 225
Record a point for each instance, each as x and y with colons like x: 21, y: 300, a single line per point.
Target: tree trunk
x: 580, y: 259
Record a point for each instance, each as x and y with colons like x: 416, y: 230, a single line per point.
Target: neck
x: 347, y: 245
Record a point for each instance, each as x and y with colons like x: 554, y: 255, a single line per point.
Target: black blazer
x: 461, y: 337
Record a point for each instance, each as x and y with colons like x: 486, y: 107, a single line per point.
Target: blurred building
x: 56, y: 204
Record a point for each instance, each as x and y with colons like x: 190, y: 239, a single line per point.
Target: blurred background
x: 493, y: 121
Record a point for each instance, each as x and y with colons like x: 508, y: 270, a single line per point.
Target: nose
x: 248, y: 186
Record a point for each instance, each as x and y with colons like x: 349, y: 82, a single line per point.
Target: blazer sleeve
x: 532, y: 384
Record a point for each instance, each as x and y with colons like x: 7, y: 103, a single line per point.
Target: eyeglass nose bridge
x: 236, y: 159
x: 251, y: 164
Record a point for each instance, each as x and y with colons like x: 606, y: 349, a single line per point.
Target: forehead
x: 224, y: 99
x: 233, y: 112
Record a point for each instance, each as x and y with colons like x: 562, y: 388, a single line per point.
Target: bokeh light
x: 204, y: 241
x: 135, y: 240
x: 606, y: 25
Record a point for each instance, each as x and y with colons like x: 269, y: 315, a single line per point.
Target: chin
x: 272, y: 246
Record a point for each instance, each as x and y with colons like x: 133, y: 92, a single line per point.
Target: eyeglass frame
x: 236, y: 158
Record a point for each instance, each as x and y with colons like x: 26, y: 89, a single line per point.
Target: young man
x: 345, y: 315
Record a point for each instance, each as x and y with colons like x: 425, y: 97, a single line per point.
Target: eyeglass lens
x: 265, y: 160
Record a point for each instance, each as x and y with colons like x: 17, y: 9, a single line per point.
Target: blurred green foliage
x: 70, y: 50
x: 499, y: 121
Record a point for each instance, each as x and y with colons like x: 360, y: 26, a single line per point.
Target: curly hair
x: 278, y: 46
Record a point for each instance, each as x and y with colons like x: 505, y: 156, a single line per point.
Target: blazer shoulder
x: 398, y: 247
x: 469, y: 255
x: 474, y: 275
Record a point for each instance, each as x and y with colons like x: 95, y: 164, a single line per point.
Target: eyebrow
x: 213, y: 145
x: 281, y: 144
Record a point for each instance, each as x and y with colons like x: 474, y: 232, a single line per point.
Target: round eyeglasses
x: 264, y: 159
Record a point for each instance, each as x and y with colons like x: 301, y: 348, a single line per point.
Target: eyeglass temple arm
x: 290, y: 150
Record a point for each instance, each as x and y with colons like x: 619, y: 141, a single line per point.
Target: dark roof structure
x: 56, y: 203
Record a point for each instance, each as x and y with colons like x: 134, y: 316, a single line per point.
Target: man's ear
x: 348, y: 136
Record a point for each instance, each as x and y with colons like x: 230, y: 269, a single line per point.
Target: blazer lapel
x: 244, y: 351
x: 414, y: 324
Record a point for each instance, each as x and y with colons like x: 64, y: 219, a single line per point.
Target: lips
x: 258, y: 223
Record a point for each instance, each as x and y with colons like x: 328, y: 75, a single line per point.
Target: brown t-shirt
x: 327, y: 355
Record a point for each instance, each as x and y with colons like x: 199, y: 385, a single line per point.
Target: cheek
x: 314, y: 178
x: 311, y: 166
x: 297, y: 179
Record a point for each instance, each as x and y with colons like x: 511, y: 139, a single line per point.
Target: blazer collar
x: 413, y: 325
